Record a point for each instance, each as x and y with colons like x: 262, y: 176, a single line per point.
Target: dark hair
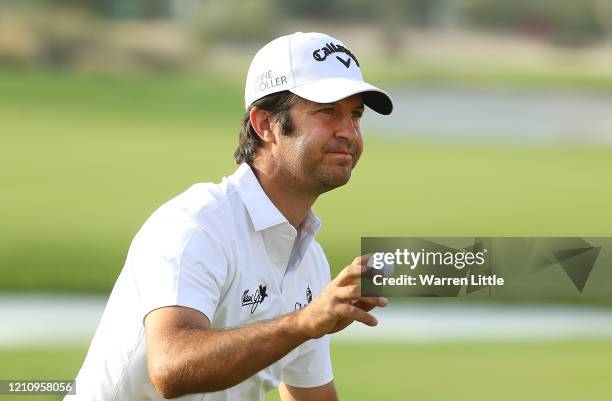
x: 278, y: 104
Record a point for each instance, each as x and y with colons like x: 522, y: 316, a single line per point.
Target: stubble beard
x: 309, y: 173
x: 316, y: 177
x: 331, y: 177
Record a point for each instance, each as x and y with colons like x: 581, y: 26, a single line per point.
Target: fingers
x: 354, y: 313
x: 368, y: 303
x: 355, y: 270
x: 351, y: 293
x: 349, y: 274
x: 364, y: 306
x: 341, y: 303
x: 348, y: 293
x: 362, y: 260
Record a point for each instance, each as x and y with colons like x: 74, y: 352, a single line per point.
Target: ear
x: 261, y: 121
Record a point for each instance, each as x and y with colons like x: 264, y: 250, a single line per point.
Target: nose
x: 348, y: 128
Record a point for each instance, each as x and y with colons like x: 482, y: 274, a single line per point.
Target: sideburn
x: 283, y: 118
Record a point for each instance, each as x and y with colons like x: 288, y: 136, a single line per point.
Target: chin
x: 334, y: 177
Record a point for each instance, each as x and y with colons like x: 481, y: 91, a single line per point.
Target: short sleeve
x: 176, y: 262
x: 312, y: 367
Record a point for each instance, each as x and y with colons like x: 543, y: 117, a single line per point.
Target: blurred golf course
x: 563, y: 371
x: 86, y: 158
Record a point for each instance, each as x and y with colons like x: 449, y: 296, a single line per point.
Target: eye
x: 357, y: 113
x: 327, y: 110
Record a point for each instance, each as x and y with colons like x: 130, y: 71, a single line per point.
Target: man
x: 225, y: 294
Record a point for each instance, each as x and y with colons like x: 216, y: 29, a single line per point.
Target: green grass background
x: 84, y: 159
x: 559, y: 371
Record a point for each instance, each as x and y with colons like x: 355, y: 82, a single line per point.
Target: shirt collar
x: 264, y: 214
x: 311, y: 224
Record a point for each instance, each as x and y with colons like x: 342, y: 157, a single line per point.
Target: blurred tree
x: 563, y: 21
x: 308, y: 8
x: 421, y: 13
x: 336, y: 10
x: 603, y: 10
x: 238, y: 21
x: 123, y: 8
x: 445, y: 14
x: 391, y: 27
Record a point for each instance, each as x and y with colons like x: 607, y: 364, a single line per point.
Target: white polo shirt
x: 225, y: 250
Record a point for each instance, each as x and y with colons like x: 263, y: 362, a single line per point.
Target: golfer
x: 225, y: 294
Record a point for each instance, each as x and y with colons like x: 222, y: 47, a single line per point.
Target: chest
x: 258, y: 289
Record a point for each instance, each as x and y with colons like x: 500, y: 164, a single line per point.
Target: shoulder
x: 202, y: 204
x: 204, y: 207
x: 199, y: 201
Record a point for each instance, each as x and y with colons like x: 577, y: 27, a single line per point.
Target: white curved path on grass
x: 53, y: 320
x: 517, y: 116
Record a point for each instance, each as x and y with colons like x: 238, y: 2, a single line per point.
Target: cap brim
x: 333, y: 89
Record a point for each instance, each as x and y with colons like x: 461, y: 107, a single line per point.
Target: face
x: 325, y: 145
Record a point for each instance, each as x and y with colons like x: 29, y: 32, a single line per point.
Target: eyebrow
x: 360, y: 107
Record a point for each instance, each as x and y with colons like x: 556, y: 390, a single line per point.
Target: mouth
x: 340, y: 151
x: 343, y: 155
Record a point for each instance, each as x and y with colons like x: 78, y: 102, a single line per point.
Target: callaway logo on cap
x: 314, y: 66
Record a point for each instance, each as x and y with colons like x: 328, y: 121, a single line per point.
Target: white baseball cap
x: 315, y: 67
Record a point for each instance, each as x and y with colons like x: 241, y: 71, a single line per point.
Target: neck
x: 292, y: 201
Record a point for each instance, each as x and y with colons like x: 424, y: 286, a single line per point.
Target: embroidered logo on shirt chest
x: 254, y: 300
x: 299, y: 305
